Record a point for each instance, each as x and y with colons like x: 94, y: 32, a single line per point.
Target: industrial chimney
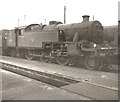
x: 85, y: 18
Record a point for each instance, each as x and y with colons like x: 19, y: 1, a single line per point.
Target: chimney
x: 85, y: 18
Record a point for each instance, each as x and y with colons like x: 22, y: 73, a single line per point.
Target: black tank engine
x: 63, y: 43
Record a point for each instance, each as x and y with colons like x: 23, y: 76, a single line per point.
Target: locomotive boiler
x: 91, y: 31
x: 64, y: 43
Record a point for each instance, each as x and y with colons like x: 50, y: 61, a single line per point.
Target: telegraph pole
x: 18, y: 22
x: 93, y: 17
x: 44, y: 21
x: 118, y: 32
x: 24, y: 19
x: 64, y: 14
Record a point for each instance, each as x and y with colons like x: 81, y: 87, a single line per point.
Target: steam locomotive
x: 65, y: 43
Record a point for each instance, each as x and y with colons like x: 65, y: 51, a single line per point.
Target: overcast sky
x: 36, y: 11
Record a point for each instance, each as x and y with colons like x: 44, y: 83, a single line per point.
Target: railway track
x: 62, y: 80
x: 112, y: 68
x: 57, y: 80
x: 53, y: 79
x: 18, y: 87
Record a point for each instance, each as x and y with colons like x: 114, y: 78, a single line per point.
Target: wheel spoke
x: 28, y: 56
x: 44, y: 59
x: 44, y: 56
x: 91, y: 62
x: 63, y: 60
